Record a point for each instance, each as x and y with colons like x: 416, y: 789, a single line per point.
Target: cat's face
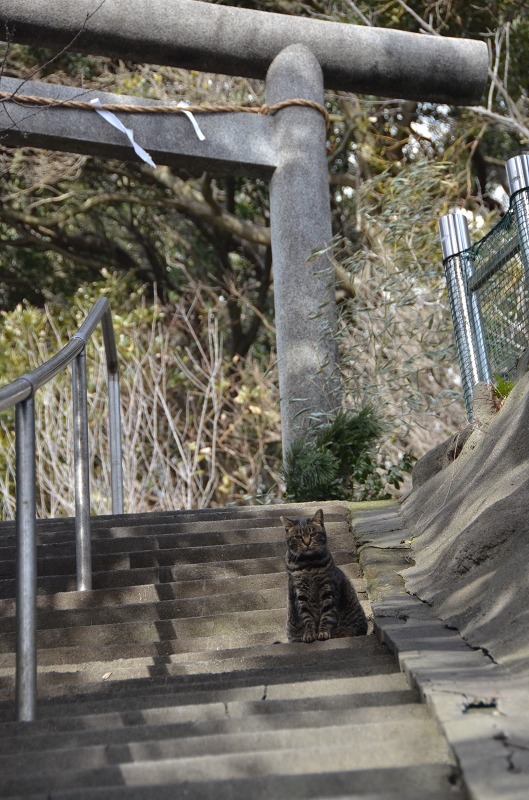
x: 305, y: 534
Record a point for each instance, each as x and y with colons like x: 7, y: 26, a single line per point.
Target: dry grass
x: 196, y: 431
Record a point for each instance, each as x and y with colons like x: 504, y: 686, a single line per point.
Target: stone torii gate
x: 297, y: 57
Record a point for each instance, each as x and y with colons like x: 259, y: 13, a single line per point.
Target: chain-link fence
x: 498, y: 279
x: 488, y: 289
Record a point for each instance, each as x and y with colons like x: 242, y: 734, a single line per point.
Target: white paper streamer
x: 193, y: 121
x: 113, y: 120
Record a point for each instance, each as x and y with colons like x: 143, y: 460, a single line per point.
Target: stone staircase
x: 173, y: 678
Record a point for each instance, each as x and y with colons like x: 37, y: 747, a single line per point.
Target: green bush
x: 503, y: 387
x: 340, y: 462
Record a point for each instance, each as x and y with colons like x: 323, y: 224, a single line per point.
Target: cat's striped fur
x: 322, y: 603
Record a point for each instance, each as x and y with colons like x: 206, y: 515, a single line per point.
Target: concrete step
x: 422, y: 782
x: 61, y: 716
x: 146, y: 537
x: 103, y: 698
x: 153, y: 593
x: 138, y: 559
x: 50, y: 624
x: 187, y: 650
x: 162, y: 610
x: 423, y: 794
x: 65, y: 565
x: 159, y: 558
x: 27, y: 754
x: 157, y: 630
x: 349, y: 745
x: 154, y: 575
x: 184, y: 647
x: 230, y: 755
x: 204, y: 681
x: 210, y: 664
x: 191, y: 677
x: 214, y: 718
x: 249, y: 515
x: 213, y: 570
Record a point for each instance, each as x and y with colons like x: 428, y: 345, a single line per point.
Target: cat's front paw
x: 322, y: 635
x: 310, y: 636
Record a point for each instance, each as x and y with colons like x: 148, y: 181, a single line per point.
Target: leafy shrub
x: 340, y: 462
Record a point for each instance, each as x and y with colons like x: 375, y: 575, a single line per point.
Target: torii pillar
x: 300, y: 222
x: 295, y: 55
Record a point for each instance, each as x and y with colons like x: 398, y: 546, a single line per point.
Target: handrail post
x: 83, y: 545
x: 20, y: 393
x: 114, y: 414
x: 26, y: 566
x: 464, y: 308
x: 116, y: 459
x: 517, y: 170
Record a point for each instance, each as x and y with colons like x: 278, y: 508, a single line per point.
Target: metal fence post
x: 466, y: 317
x: 83, y: 544
x: 517, y: 170
x: 26, y: 568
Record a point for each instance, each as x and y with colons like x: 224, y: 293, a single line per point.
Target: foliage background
x: 186, y: 262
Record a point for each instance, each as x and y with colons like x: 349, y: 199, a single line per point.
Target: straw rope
x: 34, y: 101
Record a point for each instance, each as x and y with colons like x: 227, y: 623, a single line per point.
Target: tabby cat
x: 322, y: 604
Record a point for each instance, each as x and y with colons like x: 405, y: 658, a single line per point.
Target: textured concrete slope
x: 470, y: 526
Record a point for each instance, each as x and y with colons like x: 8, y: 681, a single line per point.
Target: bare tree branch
x: 343, y: 179
x: 192, y: 202
x: 424, y: 25
x: 344, y: 144
x: 500, y: 119
x: 188, y: 201
x: 88, y: 17
x: 358, y: 13
x: 35, y: 243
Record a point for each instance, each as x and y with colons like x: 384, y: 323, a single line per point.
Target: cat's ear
x: 288, y: 523
x: 317, y: 519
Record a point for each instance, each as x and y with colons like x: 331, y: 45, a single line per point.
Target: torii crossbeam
x: 296, y: 56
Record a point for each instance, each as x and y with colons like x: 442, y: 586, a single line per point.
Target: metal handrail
x: 20, y: 393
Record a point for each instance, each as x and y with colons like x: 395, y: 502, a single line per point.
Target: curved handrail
x: 14, y: 392
x: 20, y: 393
